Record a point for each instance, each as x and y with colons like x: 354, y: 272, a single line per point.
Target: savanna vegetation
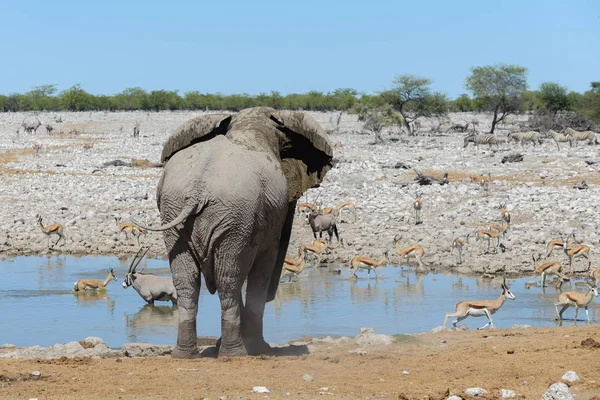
x: 500, y: 89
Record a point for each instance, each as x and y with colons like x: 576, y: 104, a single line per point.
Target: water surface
x: 38, y: 305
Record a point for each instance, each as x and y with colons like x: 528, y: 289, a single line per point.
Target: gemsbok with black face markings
x: 150, y: 287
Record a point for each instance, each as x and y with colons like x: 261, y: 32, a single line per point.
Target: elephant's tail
x: 187, y: 210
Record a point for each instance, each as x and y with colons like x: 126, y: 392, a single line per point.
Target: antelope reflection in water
x: 84, y: 298
x: 151, y: 319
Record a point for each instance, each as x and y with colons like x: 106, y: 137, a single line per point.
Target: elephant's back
x: 226, y: 172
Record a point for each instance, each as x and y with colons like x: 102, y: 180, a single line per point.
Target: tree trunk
x: 405, y: 123
x: 495, y: 120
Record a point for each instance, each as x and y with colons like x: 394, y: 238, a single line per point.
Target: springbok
x: 410, y: 250
x: 294, y: 266
x: 479, y: 308
x: 418, y: 205
x: 150, y: 287
x: 334, y: 246
x: 575, y: 299
x: 489, y: 234
x: 316, y: 250
x: 370, y: 264
x: 94, y: 284
x: 547, y: 269
x: 458, y: 244
x: 595, y: 275
x: 551, y: 244
x: 337, y: 210
x: 126, y: 228
x: 504, y: 214
x: 54, y: 229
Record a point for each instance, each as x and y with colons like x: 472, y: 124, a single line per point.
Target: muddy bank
x: 68, y: 183
x: 496, y: 362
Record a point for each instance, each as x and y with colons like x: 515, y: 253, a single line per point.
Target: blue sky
x: 292, y: 47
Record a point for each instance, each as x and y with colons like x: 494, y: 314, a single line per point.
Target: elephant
x: 227, y: 199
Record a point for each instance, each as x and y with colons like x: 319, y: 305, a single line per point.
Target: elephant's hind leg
x: 229, y: 288
x: 256, y: 297
x: 186, y: 278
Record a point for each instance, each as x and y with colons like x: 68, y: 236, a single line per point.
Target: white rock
x: 475, y: 391
x: 557, y: 391
x: 570, y: 376
x: 260, y: 389
x: 505, y: 393
x: 454, y: 397
x: 307, y: 377
x: 404, y: 372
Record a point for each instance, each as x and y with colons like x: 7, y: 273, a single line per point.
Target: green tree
x: 553, y: 97
x: 159, y: 100
x: 343, y: 99
x: 134, y: 98
x: 39, y: 98
x: 411, y: 97
x: 500, y: 87
x: 589, y: 105
x: 462, y: 103
x: 75, y: 99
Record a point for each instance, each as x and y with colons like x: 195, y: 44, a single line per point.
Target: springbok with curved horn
x: 54, y: 229
x: 479, y: 308
x: 575, y: 299
x: 150, y: 287
x: 370, y: 264
x: 94, y: 284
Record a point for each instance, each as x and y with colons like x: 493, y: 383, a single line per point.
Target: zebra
x: 529, y: 136
x: 577, y: 136
x: 486, y: 138
x: 561, y: 137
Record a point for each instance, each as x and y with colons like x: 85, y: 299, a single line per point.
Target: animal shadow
x: 290, y: 350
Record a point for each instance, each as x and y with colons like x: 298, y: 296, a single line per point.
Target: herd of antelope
x: 324, y: 220
x: 58, y: 230
x: 150, y: 287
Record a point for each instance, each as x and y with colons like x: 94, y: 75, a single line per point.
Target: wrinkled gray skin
x: 227, y: 209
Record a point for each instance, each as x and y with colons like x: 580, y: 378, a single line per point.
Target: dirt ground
x: 524, y: 360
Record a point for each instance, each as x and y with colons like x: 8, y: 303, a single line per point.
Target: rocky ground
x: 520, y: 363
x: 67, y: 183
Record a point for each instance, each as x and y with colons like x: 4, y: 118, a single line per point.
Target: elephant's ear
x: 193, y: 131
x: 305, y: 153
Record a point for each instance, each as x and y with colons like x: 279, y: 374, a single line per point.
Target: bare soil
x: 524, y: 360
